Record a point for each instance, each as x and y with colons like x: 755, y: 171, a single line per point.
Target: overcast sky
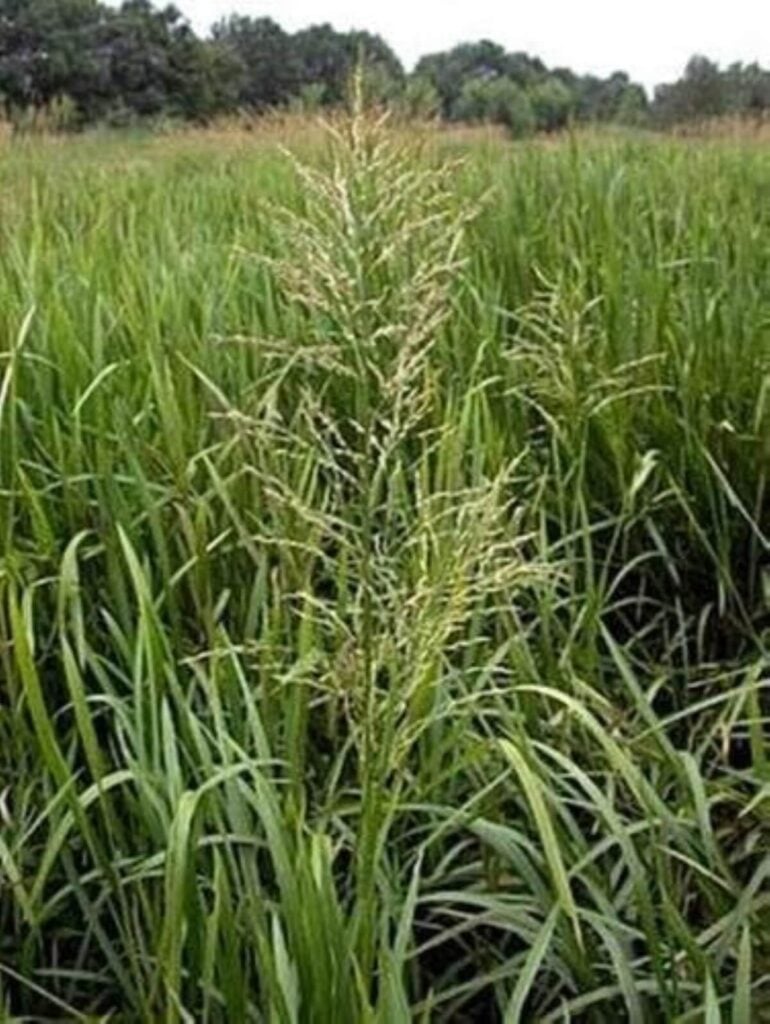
x: 651, y: 39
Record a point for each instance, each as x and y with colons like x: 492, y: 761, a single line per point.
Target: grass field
x: 384, y: 579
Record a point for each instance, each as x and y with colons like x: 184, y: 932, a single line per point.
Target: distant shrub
x: 552, y: 103
x: 420, y: 99
x: 499, y: 101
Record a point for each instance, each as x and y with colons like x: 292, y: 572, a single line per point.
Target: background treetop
x: 118, y: 64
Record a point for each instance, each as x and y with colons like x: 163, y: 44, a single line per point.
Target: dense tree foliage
x: 275, y: 67
x: 706, y: 91
x: 498, y: 100
x: 138, y: 59
x: 555, y: 96
x: 134, y: 60
x: 94, y: 62
x: 267, y: 72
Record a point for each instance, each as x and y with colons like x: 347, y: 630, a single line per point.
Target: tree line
x: 85, y: 62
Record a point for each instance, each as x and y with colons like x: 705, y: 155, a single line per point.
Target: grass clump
x: 383, y: 622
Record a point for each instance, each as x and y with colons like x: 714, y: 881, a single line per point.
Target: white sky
x: 651, y: 39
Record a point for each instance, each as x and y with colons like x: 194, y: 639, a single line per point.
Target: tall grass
x: 384, y: 582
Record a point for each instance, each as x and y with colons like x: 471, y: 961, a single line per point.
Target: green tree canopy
x: 137, y: 59
x: 268, y: 69
x: 552, y: 103
x: 497, y: 101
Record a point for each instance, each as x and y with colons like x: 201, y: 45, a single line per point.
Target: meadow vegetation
x: 384, y: 578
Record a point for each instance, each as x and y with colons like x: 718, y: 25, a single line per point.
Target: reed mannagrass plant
x: 338, y: 679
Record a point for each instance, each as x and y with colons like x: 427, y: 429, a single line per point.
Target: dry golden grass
x: 734, y: 128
